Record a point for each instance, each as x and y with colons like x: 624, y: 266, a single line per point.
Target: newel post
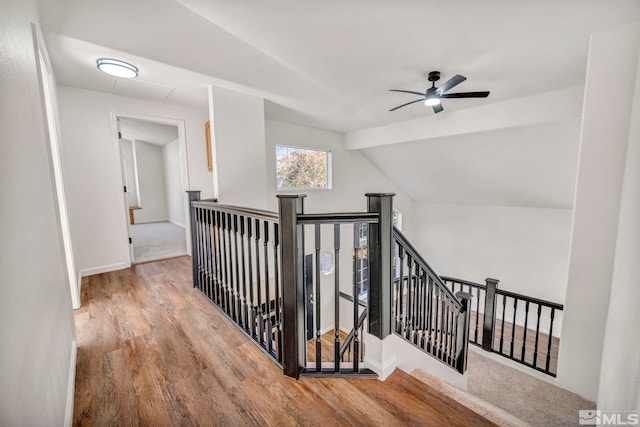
x: 194, y: 196
x: 380, y: 249
x: 462, y: 338
x: 488, y: 328
x: 292, y: 276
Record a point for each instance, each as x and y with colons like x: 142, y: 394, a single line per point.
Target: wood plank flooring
x: 154, y: 352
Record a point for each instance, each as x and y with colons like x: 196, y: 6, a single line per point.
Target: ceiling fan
x: 433, y: 95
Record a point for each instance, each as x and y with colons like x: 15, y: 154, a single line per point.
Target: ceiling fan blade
x: 412, y: 102
x: 466, y: 95
x: 437, y: 108
x: 407, y: 91
x: 451, y: 83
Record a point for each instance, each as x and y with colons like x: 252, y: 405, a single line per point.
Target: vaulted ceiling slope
x: 331, y: 64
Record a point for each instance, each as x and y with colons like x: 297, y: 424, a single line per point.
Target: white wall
x: 611, y: 73
x: 153, y: 200
x: 527, y: 249
x: 237, y: 133
x: 37, y: 332
x: 353, y: 175
x: 619, y: 386
x: 96, y: 206
x: 174, y: 194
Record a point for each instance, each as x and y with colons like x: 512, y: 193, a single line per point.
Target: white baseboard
x: 383, y: 370
x: 71, y: 386
x: 104, y: 269
x: 151, y: 221
x: 176, y: 223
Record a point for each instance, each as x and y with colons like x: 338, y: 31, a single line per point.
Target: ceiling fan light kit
x: 433, y: 95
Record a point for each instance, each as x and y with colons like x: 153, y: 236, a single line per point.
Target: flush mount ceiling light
x: 117, y: 68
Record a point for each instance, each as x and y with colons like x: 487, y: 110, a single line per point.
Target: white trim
x: 71, y: 385
x: 79, y: 289
x: 151, y: 221
x: 104, y: 269
x: 184, y: 165
x: 383, y: 370
x: 177, y: 223
x: 47, y: 87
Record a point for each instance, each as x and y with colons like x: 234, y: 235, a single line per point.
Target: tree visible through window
x: 301, y: 168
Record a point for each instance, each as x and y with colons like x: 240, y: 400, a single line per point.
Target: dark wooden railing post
x: 489, y: 314
x: 292, y: 276
x: 194, y: 196
x: 462, y: 338
x: 380, y: 250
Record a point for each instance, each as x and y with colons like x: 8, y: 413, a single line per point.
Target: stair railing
x: 503, y: 323
x: 251, y: 264
x: 235, y: 253
x: 425, y: 312
x: 326, y: 231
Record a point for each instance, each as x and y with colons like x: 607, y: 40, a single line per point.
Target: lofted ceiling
x: 331, y: 64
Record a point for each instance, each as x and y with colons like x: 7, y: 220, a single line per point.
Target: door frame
x: 184, y: 168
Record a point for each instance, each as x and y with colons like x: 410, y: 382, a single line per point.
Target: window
x: 302, y: 168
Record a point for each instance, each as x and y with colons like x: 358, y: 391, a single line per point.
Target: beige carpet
x: 495, y: 389
x: 157, y: 240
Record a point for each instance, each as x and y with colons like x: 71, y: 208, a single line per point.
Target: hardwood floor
x: 154, y: 352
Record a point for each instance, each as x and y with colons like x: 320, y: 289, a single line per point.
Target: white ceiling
x: 153, y: 133
x: 329, y: 64
x: 529, y: 167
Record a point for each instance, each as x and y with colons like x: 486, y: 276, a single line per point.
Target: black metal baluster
x: 535, y: 350
x: 548, y: 362
x: 356, y: 338
x: 237, y: 303
x: 436, y: 337
x: 218, y: 272
x: 198, y: 255
x: 513, y: 325
x: 454, y: 340
x: 429, y: 312
x: 403, y: 323
x: 232, y: 285
x: 243, y: 301
x: 477, y: 316
x: 210, y: 255
x: 267, y: 297
x: 398, y: 294
x: 252, y: 301
x: 225, y: 271
x: 446, y: 331
x: 424, y: 312
x: 504, y: 306
x: 409, y: 311
x: 524, y: 335
x: 278, y: 296
x: 317, y: 299
x: 441, y: 339
x: 336, y: 285
x: 259, y: 313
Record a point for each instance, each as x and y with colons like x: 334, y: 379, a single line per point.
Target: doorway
x: 153, y: 170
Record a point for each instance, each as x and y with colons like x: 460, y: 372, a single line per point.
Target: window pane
x: 300, y: 168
